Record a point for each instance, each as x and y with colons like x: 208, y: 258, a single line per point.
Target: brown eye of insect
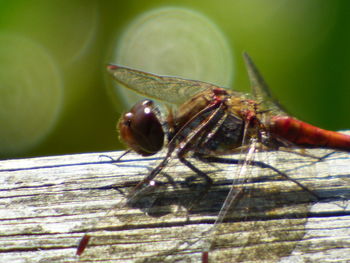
x: 141, y: 130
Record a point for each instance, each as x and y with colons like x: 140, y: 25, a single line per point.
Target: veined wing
x: 169, y: 89
x: 260, y: 89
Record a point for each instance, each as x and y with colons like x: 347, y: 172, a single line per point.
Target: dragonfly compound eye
x: 141, y: 130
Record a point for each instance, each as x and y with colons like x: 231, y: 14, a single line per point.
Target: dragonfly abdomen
x: 302, y: 133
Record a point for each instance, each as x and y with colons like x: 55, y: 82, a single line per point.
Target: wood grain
x: 49, y: 203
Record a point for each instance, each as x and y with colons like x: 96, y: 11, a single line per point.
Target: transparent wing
x: 260, y: 89
x: 168, y: 89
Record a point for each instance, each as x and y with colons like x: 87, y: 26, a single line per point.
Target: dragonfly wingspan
x: 260, y: 89
x: 168, y: 89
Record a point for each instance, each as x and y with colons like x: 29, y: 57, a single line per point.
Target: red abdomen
x: 302, y: 133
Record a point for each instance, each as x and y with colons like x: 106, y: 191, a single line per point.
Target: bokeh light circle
x: 175, y: 42
x: 31, y: 93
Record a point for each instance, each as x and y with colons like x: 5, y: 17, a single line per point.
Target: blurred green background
x: 53, y: 95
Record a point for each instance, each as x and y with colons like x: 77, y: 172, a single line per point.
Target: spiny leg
x: 202, y: 174
x: 212, y: 159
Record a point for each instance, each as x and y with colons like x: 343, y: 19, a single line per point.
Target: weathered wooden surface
x: 47, y: 204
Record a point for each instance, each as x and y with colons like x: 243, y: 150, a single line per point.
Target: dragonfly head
x: 141, y: 130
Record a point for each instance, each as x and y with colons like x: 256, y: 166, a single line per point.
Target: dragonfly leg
x: 202, y: 174
x: 114, y: 160
x: 213, y: 159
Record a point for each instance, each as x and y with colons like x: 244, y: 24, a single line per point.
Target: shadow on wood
x: 48, y: 204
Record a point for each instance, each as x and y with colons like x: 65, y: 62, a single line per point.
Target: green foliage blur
x: 301, y: 47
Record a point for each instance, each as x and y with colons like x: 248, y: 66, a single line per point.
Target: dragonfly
x: 206, y: 121
x: 211, y: 120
